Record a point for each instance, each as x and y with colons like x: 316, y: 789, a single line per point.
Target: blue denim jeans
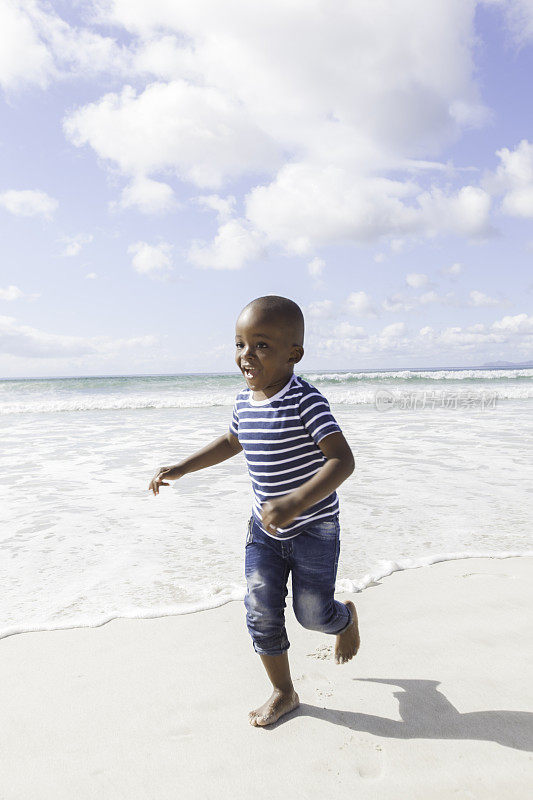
x: 312, y: 557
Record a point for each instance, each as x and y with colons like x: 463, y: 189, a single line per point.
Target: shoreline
x: 236, y: 594
x: 437, y: 703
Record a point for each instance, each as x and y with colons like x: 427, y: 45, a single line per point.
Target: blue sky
x: 164, y: 163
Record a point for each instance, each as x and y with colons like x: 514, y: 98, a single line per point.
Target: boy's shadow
x: 427, y: 714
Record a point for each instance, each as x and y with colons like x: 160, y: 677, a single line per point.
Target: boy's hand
x: 163, y: 474
x: 279, y: 513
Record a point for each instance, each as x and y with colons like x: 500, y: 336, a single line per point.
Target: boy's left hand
x: 278, y: 513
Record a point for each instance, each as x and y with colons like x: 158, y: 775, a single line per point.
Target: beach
x: 440, y: 473
x: 437, y: 703
x: 291, y: 241
x: 126, y: 668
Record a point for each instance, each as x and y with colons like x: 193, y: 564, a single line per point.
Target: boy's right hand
x: 162, y: 475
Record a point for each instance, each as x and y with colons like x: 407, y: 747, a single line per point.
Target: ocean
x: 442, y: 472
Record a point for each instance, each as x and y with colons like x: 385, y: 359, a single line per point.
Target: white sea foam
x: 433, y: 375
x: 336, y: 393
x: 117, y: 403
x: 83, y: 540
x: 387, y: 568
x: 234, y: 592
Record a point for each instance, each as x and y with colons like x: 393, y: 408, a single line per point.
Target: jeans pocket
x: 327, y: 529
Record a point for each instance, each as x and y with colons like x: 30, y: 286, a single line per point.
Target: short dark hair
x: 285, y: 311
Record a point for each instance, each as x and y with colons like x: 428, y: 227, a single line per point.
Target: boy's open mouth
x: 249, y: 373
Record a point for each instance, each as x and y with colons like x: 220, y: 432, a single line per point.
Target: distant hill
x: 508, y: 364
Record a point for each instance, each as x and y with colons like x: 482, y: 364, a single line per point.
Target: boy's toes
x: 253, y: 715
x: 276, y: 706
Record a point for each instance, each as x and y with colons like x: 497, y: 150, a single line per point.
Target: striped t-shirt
x: 280, y: 439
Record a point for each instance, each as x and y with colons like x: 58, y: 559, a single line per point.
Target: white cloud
x: 392, y: 331
x: 453, y: 269
x: 320, y: 309
x: 477, y: 340
x: 519, y: 18
x: 316, y: 120
x: 480, y: 299
x: 316, y: 267
x: 514, y: 178
x: 346, y: 330
x: 24, y: 58
x: 28, y: 203
x: 200, y: 133
x: 11, y: 293
x: 307, y: 206
x: 401, y: 302
x: 37, y: 47
x: 359, y: 303
x: 398, y: 302
x: 153, y: 260
x: 519, y: 324
x: 465, y: 212
x: 397, y: 245
x: 463, y: 339
x: 148, y: 196
x: 416, y: 279
x: 233, y: 246
x: 508, y: 330
x: 349, y: 339
x: 74, y: 244
x: 420, y: 77
x: 224, y: 206
x: 163, y: 56
x: 91, y: 276
x: 25, y: 341
x: 428, y: 297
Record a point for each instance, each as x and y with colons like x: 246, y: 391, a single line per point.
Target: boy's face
x: 265, y: 353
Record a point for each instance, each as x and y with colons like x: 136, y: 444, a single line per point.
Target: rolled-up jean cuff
x: 271, y: 651
x: 350, y: 620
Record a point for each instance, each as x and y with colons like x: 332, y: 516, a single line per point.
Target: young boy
x: 296, y: 457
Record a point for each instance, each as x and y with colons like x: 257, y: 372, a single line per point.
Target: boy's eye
x: 238, y: 344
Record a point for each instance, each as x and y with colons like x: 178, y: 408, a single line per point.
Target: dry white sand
x: 437, y: 704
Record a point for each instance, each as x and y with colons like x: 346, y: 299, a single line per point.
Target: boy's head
x: 269, y: 337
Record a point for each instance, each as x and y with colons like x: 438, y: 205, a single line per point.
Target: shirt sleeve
x: 316, y: 416
x: 234, y: 424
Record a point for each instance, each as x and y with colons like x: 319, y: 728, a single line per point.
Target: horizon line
x: 492, y: 365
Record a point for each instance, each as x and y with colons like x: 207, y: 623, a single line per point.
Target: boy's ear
x: 297, y: 353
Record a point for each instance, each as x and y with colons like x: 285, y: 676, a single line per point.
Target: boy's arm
x: 219, y: 450
x: 339, y: 465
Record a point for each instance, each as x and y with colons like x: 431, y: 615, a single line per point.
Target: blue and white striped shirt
x: 280, y: 439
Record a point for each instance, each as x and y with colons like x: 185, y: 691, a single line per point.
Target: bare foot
x: 278, y: 703
x: 347, y: 643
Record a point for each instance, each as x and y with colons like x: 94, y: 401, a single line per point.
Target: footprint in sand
x: 322, y: 652
x: 320, y: 684
x: 180, y: 732
x: 369, y: 755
